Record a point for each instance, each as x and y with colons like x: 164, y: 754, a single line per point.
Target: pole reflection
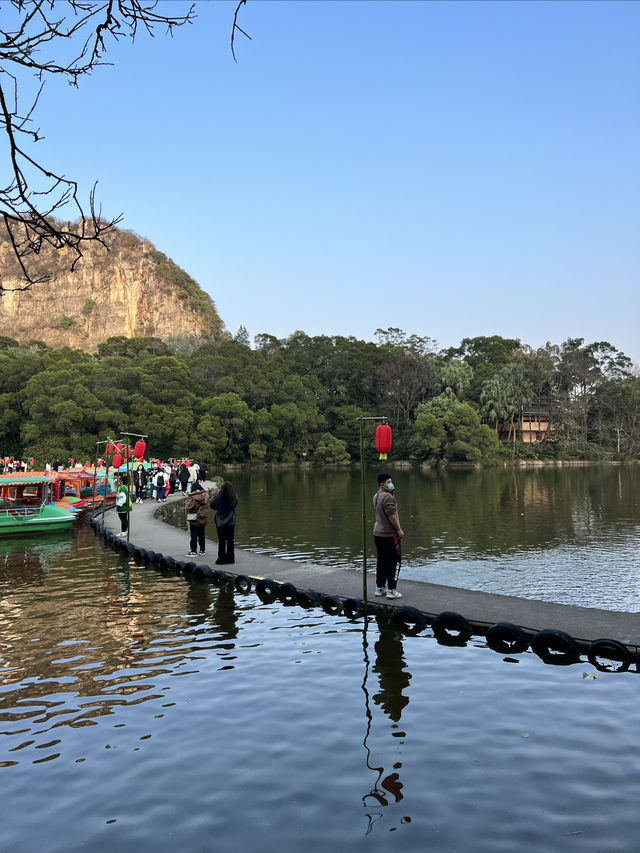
x: 393, y: 679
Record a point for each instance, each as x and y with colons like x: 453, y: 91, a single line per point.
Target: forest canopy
x: 298, y: 398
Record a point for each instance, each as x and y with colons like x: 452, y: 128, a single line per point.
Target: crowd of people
x: 166, y: 478
x: 9, y: 465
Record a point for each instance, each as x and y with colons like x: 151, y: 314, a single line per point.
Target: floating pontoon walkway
x: 480, y: 608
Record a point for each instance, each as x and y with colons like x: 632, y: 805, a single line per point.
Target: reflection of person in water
x: 392, y: 674
x: 393, y: 678
x: 218, y: 608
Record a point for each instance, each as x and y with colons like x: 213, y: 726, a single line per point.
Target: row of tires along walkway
x: 449, y: 628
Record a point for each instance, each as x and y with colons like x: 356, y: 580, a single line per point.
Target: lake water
x: 140, y: 710
x: 566, y: 534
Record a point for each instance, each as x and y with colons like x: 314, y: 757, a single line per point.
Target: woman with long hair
x: 224, y: 504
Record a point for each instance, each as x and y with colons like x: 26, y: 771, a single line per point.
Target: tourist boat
x: 25, y: 506
x: 82, y: 489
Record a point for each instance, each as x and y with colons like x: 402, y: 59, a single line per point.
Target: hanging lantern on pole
x: 127, y: 453
x: 109, y: 449
x: 139, y: 449
x: 117, y: 461
x: 383, y: 440
x: 119, y: 446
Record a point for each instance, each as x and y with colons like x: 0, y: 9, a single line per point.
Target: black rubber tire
x: 179, y: 567
x: 242, y: 583
x: 202, y: 570
x: 409, y: 619
x: 308, y: 598
x: 130, y: 548
x: 555, y: 647
x: 219, y: 577
x: 612, y: 650
x: 151, y: 557
x: 138, y: 555
x: 267, y: 590
x: 331, y: 604
x: 288, y: 594
x: 451, y: 629
x: 352, y: 608
x: 190, y: 567
x: 507, y: 639
x: 168, y: 562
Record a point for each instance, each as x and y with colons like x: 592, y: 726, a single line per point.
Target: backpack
x: 160, y: 481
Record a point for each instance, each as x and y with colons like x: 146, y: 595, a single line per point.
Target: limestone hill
x: 131, y: 290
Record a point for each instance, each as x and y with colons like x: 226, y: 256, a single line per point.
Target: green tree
x: 447, y: 429
x: 331, y: 450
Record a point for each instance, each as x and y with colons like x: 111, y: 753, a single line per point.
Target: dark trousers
x: 197, y: 537
x: 388, y: 548
x: 226, y: 552
x: 124, y: 521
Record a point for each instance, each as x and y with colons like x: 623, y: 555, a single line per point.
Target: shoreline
x: 436, y: 465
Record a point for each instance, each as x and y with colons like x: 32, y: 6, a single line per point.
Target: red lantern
x: 119, y: 445
x: 383, y: 440
x: 139, y: 449
x: 117, y: 460
x: 187, y: 463
x: 127, y: 453
x: 109, y: 449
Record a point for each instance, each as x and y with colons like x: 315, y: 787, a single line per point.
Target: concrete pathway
x: 480, y: 608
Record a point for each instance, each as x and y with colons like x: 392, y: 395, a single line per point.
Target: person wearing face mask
x: 387, y: 534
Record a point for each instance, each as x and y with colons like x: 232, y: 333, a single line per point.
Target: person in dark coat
x: 183, y: 476
x: 225, y: 503
x: 140, y: 482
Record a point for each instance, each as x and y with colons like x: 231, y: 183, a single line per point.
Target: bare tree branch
x: 35, y: 194
x: 237, y: 27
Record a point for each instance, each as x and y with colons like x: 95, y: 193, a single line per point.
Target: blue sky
x: 453, y: 169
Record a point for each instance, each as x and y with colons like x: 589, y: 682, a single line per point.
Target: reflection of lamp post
x: 108, y: 451
x: 364, y: 523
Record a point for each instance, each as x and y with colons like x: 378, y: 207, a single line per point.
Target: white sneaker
x: 191, y: 554
x: 393, y: 593
x: 380, y: 590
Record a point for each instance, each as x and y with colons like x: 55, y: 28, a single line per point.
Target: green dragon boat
x: 25, y: 506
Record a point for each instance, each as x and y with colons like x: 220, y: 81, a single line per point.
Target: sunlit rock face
x: 131, y: 290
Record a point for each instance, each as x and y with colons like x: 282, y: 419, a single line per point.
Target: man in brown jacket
x: 387, y: 534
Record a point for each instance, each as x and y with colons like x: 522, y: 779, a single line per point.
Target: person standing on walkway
x: 198, y: 509
x: 387, y: 534
x: 158, y: 485
x: 183, y: 477
x: 123, y: 505
x: 193, y: 477
x: 225, y: 503
x: 140, y: 482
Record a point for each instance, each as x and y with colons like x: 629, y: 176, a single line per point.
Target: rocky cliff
x: 131, y: 290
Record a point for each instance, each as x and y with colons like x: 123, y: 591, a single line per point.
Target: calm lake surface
x: 566, y: 534
x: 141, y: 710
